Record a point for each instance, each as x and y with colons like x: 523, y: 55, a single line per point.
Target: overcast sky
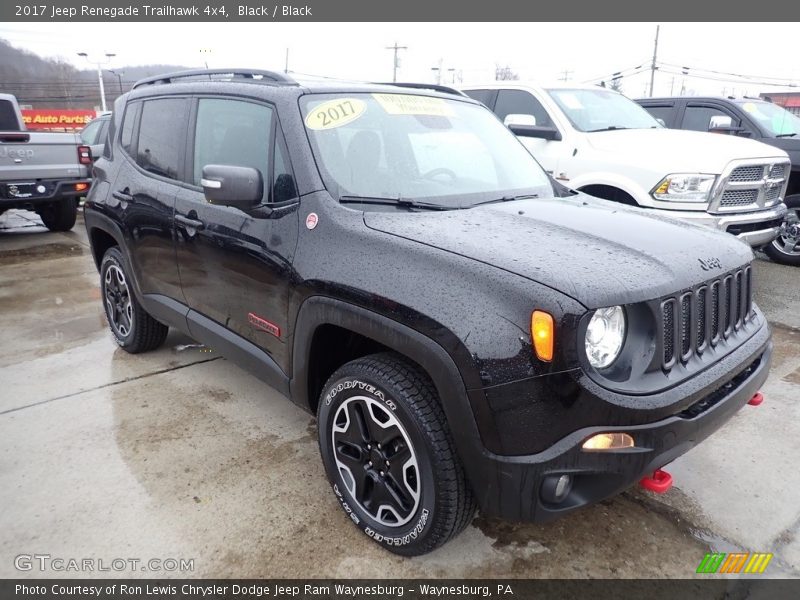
x: 539, y: 51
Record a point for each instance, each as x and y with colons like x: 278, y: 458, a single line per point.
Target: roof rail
x: 245, y: 74
x: 427, y: 86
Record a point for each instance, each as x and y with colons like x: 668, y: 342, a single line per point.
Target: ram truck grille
x: 751, y: 187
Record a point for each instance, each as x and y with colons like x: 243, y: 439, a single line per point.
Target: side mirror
x: 535, y: 131
x: 720, y: 122
x: 519, y: 119
x: 227, y: 185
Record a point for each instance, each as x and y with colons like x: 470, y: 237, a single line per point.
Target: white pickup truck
x: 41, y: 171
x: 598, y: 141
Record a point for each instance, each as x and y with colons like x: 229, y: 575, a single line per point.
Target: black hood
x: 597, y: 252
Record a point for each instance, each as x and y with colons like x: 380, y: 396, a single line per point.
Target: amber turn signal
x: 543, y: 334
x: 608, y: 441
x: 79, y: 187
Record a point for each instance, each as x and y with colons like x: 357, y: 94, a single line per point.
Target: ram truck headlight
x: 685, y: 187
x: 605, y: 336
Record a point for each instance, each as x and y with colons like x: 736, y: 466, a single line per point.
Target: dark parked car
x: 392, y: 259
x: 753, y: 118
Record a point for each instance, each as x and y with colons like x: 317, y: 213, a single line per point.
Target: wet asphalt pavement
x: 180, y: 454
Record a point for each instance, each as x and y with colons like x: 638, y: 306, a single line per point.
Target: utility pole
x: 286, y: 67
x: 566, y: 75
x: 396, y: 59
x: 119, y: 75
x: 653, y: 64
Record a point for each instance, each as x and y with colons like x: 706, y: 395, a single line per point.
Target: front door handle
x: 187, y: 222
x: 122, y: 195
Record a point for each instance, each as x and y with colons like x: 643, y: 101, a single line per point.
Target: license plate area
x: 25, y: 189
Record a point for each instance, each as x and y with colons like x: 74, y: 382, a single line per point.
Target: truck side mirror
x: 228, y: 185
x: 720, y: 122
x: 519, y: 119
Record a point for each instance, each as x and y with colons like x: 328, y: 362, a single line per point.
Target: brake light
x: 81, y: 187
x: 84, y: 155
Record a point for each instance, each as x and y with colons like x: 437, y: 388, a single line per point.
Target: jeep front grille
x: 695, y: 320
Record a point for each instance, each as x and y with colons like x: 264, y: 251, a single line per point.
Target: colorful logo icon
x: 734, y: 562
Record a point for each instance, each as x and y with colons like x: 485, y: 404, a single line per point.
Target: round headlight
x: 605, y: 336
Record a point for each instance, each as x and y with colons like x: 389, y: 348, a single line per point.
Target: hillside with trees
x: 55, y: 83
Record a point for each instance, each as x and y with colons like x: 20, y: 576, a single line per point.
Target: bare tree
x: 616, y: 84
x: 504, y: 73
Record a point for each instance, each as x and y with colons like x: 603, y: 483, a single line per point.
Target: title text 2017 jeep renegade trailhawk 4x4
x: 393, y: 259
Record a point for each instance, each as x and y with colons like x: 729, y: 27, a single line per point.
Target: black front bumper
x: 511, y: 486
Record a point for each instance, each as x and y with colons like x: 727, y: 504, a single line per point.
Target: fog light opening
x: 555, y: 488
x: 608, y: 441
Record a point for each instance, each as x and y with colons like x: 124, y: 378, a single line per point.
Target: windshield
x: 413, y: 147
x: 601, y: 110
x: 775, y: 120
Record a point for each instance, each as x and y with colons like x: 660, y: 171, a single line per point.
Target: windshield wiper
x: 503, y: 199
x: 786, y: 135
x: 404, y: 202
x: 609, y: 128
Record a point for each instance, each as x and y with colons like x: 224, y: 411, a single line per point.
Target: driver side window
x: 520, y: 102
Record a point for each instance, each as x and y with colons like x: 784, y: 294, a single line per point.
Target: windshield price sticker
x: 403, y: 104
x: 335, y: 113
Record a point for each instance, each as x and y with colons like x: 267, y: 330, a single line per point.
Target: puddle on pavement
x: 40, y: 252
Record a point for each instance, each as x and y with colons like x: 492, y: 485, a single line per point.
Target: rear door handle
x: 124, y: 196
x: 187, y: 222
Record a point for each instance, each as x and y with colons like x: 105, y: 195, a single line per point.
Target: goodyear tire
x: 389, y: 455
x: 133, y: 329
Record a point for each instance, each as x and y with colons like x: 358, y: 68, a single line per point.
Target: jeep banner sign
x: 56, y: 119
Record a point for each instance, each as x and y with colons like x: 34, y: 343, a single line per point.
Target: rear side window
x: 126, y: 138
x: 8, y: 117
x: 161, y: 141
x: 232, y: 132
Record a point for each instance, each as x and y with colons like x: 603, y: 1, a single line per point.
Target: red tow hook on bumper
x: 659, y: 482
x: 756, y: 400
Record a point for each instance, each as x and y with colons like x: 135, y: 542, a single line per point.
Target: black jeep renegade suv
x: 391, y: 258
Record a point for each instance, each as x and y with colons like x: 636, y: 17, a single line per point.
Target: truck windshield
x: 413, y: 147
x: 598, y: 109
x: 775, y: 120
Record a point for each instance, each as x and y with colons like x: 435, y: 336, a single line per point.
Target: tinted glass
x: 90, y: 133
x: 448, y: 151
x: 8, y: 117
x: 159, y: 149
x: 126, y: 139
x: 660, y: 112
x: 483, y: 96
x: 698, y: 118
x: 519, y: 102
x: 231, y: 132
x: 283, y: 187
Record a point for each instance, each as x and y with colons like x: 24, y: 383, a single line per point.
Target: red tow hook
x: 659, y: 482
x: 757, y: 399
